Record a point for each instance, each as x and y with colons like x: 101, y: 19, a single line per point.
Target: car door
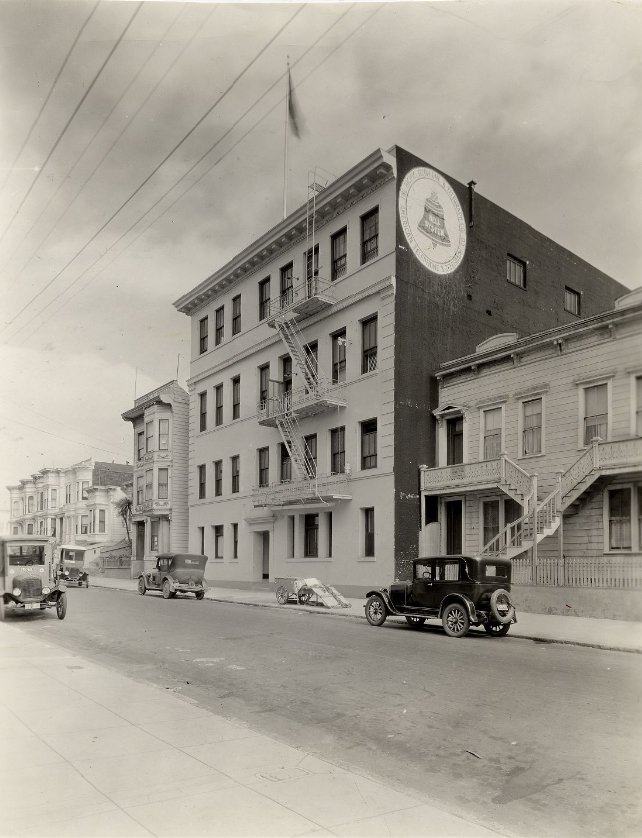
x: 448, y: 574
x: 422, y: 585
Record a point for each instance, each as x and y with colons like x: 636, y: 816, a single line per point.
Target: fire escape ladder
x: 297, y: 448
x: 305, y: 363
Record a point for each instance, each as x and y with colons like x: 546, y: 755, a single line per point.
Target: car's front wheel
x: 61, y: 606
x: 455, y: 620
x: 415, y: 622
x: 497, y: 629
x: 376, y: 611
x: 142, y: 588
x: 166, y: 590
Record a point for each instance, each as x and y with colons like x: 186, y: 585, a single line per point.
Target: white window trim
x: 633, y: 393
x: 442, y: 437
x: 636, y: 546
x: 502, y: 513
x: 582, y: 386
x: 443, y: 500
x: 520, y: 426
x: 482, y: 410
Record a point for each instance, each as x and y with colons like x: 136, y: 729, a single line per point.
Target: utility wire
x: 57, y: 436
x: 48, y: 97
x: 69, y: 121
x: 81, y: 154
x: 184, y: 192
x: 162, y: 163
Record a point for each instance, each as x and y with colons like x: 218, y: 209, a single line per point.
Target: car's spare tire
x: 501, y: 607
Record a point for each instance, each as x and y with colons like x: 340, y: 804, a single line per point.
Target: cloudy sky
x: 141, y: 147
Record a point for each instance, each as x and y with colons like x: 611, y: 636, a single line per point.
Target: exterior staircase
x: 539, y: 521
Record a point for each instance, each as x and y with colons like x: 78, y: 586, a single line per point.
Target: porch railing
x: 620, y: 572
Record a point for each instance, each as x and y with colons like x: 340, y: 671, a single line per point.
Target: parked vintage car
x: 461, y: 591
x: 27, y: 575
x: 175, y: 573
x: 71, y: 569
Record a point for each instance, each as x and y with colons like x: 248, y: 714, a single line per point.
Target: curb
x: 536, y: 638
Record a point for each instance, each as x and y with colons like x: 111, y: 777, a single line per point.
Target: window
x: 202, y: 411
x: 218, y: 541
x: 201, y: 539
x: 286, y: 285
x: 368, y: 532
x: 163, y: 485
x: 312, y: 269
x: 312, y: 358
x: 338, y: 450
x: 264, y: 298
x: 286, y: 464
x: 218, y: 406
x: 163, y: 434
x: 29, y: 529
x: 236, y: 473
x: 370, y: 235
x: 202, y: 488
x: 235, y: 541
x: 369, y: 444
x: 139, y: 490
x: 153, y: 535
x: 572, y: 300
x: 620, y: 519
x: 310, y: 445
x: 638, y: 406
x: 30, y: 503
x: 595, y: 413
x: 236, y: 397
x: 236, y: 315
x: 369, y: 344
x: 41, y: 501
x: 101, y: 521
x: 149, y: 436
x: 516, y: 271
x: 492, y: 425
x: 140, y: 444
x: 202, y: 334
x: 149, y: 484
x: 286, y: 375
x: 264, y: 386
x: 339, y: 356
x: 85, y: 490
x: 68, y: 493
x: 532, y: 427
x: 339, y: 249
x: 84, y: 524
x: 219, y: 326
x: 455, y: 440
x: 490, y: 520
x: 218, y: 478
x: 329, y: 520
x: 311, y: 536
x: 263, y: 456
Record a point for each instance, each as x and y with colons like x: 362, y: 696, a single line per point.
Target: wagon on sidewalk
x: 308, y: 592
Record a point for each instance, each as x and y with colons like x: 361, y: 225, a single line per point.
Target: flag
x: 294, y: 117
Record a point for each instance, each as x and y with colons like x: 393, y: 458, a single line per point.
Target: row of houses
x: 398, y: 367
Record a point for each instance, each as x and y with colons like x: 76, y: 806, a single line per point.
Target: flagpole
x: 285, y: 144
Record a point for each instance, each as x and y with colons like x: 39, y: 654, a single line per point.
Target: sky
x: 141, y: 148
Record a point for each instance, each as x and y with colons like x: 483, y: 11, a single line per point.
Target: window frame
x: 160, y: 484
x: 149, y: 484
x: 313, y: 451
x: 219, y: 541
x: 338, y: 434
x: 236, y: 315
x: 163, y: 435
x: 218, y: 405
x: 572, y: 294
x: 235, y: 540
x: 369, y: 251
x: 369, y: 351
x: 235, y: 472
x: 582, y: 388
x: 339, y: 348
x: 264, y: 302
x: 264, y: 392
x: 520, y: 266
x: 369, y: 428
x: 636, y: 404
x: 634, y: 489
x: 263, y: 466
x: 285, y: 464
x: 154, y: 527
x: 201, y: 472
x: 202, y: 411
x: 482, y: 431
x: 521, y: 429
x: 219, y: 325
x: 218, y: 478
x: 369, y: 532
x: 311, y: 535
x: 203, y: 334
x: 339, y: 263
x: 236, y: 397
x: 286, y: 285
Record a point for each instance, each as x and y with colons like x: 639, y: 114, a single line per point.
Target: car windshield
x: 72, y: 557
x: 23, y: 554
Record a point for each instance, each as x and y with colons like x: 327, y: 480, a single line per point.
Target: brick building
x: 313, y: 358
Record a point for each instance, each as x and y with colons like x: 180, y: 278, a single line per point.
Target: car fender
x: 466, y: 602
x: 385, y: 596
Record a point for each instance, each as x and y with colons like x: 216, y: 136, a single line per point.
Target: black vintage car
x: 175, y: 573
x: 461, y: 591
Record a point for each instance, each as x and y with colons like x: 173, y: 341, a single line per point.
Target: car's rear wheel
x: 61, y: 606
x: 281, y: 595
x: 497, y: 629
x: 142, y: 589
x: 166, y: 589
x: 455, y: 620
x: 200, y: 594
x: 79, y: 584
x: 86, y: 583
x: 376, y: 611
x: 501, y: 607
x: 415, y: 622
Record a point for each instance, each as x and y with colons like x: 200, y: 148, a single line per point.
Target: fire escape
x: 285, y: 406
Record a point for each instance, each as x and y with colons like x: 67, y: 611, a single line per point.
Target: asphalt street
x: 527, y: 738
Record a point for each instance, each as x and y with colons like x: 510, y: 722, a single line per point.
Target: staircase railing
x: 516, y: 477
x: 300, y: 455
x: 580, y: 469
x: 293, y: 339
x: 534, y: 522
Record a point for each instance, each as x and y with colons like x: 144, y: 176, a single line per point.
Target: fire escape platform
x: 322, y: 490
x: 268, y: 416
x: 305, y: 298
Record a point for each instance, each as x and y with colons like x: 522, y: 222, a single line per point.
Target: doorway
x: 265, y: 550
x: 454, y: 520
x: 140, y: 540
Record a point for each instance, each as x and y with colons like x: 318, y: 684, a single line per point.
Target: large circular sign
x: 432, y: 220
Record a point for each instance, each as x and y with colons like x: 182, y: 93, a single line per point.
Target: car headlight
x: 46, y: 590
x: 17, y: 591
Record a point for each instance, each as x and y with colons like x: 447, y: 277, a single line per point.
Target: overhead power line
x: 69, y: 121
x: 57, y: 436
x: 162, y: 163
x: 48, y: 97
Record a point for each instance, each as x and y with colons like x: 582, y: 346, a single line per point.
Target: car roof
x: 39, y: 539
x: 476, y: 559
x: 181, y: 556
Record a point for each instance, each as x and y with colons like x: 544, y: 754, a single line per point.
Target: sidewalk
x: 87, y: 751
x: 615, y: 635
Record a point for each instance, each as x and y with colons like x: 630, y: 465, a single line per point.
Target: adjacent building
x: 539, y: 453
x: 313, y: 357
x: 74, y: 505
x: 159, y: 503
